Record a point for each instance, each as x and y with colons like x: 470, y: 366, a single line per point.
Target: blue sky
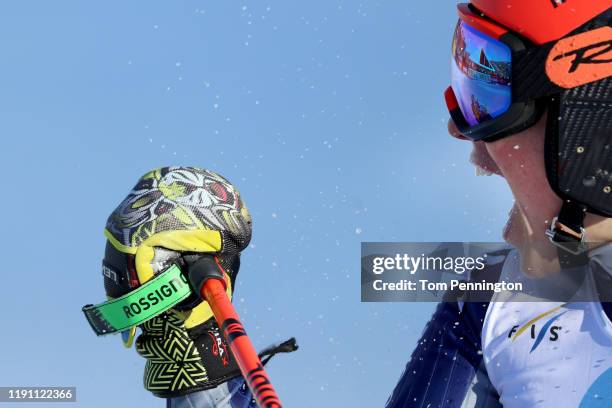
x: 327, y: 115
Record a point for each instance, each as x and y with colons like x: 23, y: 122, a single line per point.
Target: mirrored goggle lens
x: 480, y: 74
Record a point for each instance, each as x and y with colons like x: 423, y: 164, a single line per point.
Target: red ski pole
x: 213, y: 290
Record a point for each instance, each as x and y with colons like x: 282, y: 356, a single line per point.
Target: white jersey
x: 550, y: 355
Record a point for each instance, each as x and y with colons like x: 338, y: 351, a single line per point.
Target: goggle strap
x: 154, y: 297
x: 529, y: 79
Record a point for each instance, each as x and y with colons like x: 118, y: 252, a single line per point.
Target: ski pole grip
x: 204, y: 268
x: 213, y: 290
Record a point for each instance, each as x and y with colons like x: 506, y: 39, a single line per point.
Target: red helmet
x: 542, y: 21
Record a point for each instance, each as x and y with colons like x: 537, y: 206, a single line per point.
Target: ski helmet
x: 541, y: 21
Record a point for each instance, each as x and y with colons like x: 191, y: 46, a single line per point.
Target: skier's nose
x: 453, y: 131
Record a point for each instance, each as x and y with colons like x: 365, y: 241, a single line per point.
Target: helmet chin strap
x: 567, y: 229
x: 567, y: 233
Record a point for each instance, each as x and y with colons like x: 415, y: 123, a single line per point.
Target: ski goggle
x: 483, y: 100
x: 124, y: 313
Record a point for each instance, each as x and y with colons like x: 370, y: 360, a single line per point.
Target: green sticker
x: 149, y: 300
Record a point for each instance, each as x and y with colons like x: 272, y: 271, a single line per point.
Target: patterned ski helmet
x: 172, y: 199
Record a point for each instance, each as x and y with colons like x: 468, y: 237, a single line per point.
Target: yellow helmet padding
x: 177, y: 240
x: 199, y: 240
